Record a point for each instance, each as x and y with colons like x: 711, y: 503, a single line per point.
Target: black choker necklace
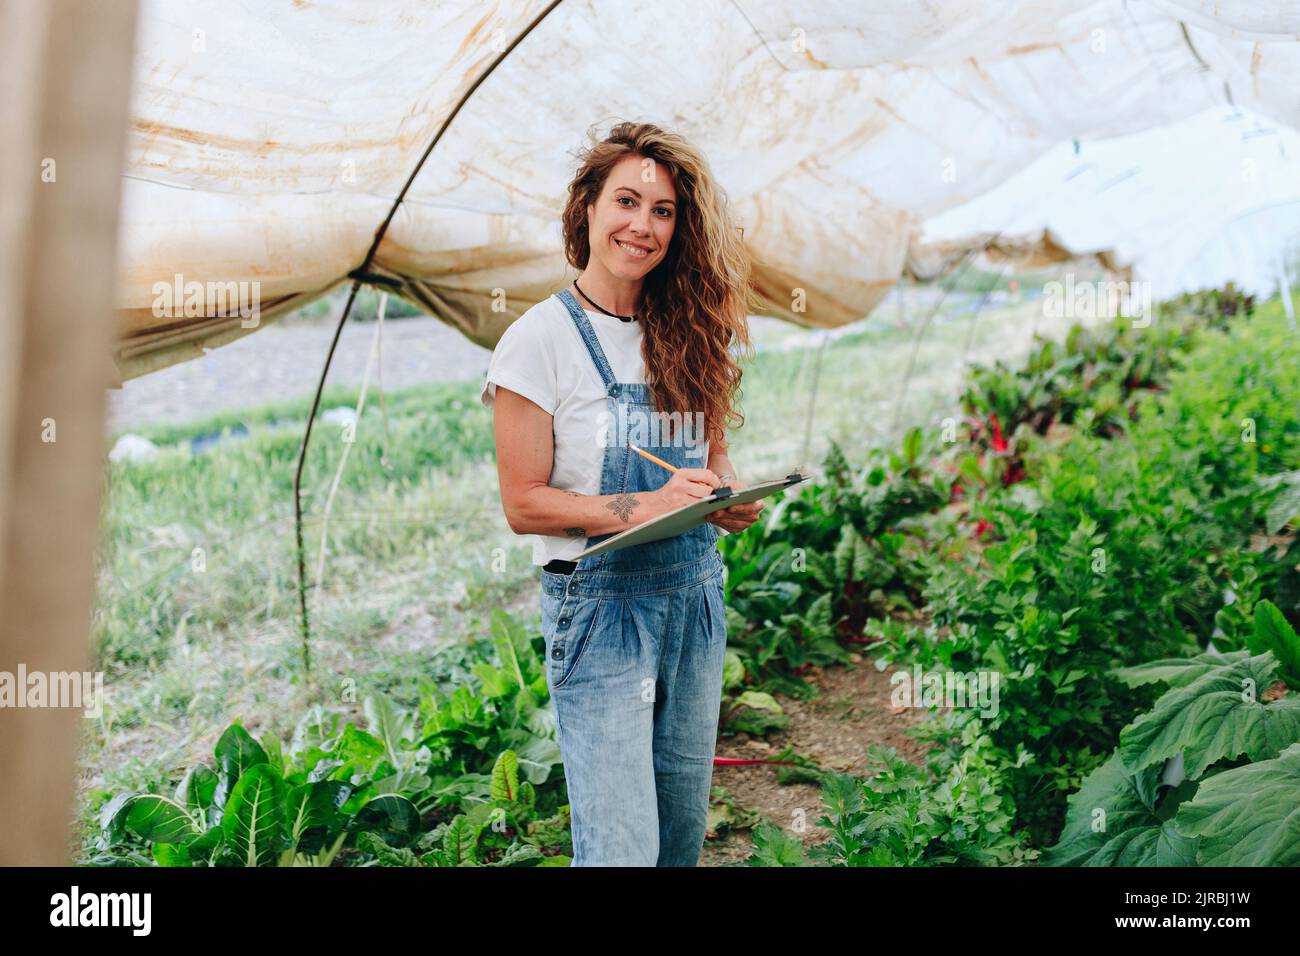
x: 621, y: 318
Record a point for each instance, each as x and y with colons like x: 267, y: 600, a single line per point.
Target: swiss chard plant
x: 748, y: 711
x: 801, y: 587
x: 504, y: 830
x: 253, y: 810
x: 340, y: 791
x: 505, y: 706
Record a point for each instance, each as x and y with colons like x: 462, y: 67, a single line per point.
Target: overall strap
x: 588, y: 336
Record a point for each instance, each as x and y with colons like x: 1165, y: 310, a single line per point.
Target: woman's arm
x: 737, y: 517
x: 719, y: 463
x: 525, y: 445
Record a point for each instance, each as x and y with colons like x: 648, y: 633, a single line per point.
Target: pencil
x: 646, y: 454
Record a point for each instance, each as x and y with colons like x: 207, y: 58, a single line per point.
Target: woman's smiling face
x: 630, y: 225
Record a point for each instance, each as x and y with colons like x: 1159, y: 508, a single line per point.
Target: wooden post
x: 65, y: 67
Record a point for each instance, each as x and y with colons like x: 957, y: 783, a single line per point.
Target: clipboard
x: 688, y: 516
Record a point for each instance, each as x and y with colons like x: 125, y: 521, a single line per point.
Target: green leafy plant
x: 1117, y: 549
x: 800, y: 592
x: 503, y: 831
x: 251, y: 812
x: 751, y: 712
x: 1239, y: 750
x: 505, y: 707
x: 904, y: 815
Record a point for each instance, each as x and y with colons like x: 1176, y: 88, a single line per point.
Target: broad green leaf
x: 517, y: 853
x: 1216, y: 717
x: 201, y: 849
x: 197, y: 852
x: 392, y: 817
x: 487, y: 814
x: 274, y: 751
x: 460, y: 842
x: 315, y: 735
x: 1176, y: 671
x: 390, y: 726
x: 505, y: 777
x: 112, y: 818
x: 385, y: 854
x: 196, y: 789
x: 236, y: 752
x: 171, y: 854
x: 1273, y: 632
x: 313, y: 805
x: 759, y: 700
x: 733, y: 670
x: 1286, y: 506
x: 509, y: 639
x: 1112, y: 821
x: 156, y: 818
x: 359, y: 751
x: 494, y: 681
x: 970, y: 469
x: 253, y: 821
x: 1248, y: 816
x: 537, y: 756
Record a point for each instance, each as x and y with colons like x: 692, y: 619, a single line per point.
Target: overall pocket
x: 569, y: 635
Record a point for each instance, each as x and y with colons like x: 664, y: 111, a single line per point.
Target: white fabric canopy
x: 1212, y: 198
x: 269, y: 140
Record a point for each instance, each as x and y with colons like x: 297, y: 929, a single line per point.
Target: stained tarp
x: 268, y: 141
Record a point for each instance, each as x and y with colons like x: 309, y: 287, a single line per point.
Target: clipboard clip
x: 722, y: 491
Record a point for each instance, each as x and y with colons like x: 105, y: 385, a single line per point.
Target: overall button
x: 613, y: 389
x: 563, y: 622
x: 557, y: 654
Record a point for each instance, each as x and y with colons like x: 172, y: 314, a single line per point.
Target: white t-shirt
x: 542, y: 357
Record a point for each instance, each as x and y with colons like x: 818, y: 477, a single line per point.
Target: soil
x: 835, y: 729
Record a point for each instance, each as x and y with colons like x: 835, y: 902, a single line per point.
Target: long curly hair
x: 695, y: 303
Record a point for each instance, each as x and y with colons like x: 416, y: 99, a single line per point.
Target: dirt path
x: 835, y: 730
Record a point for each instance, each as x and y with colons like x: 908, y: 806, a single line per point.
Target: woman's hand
x: 685, y: 486
x: 737, y: 517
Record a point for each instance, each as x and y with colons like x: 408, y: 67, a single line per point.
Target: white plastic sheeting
x: 1212, y: 198
x: 269, y: 140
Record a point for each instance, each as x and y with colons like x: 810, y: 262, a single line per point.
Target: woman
x: 634, y: 637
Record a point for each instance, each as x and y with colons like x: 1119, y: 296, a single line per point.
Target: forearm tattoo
x: 575, y: 532
x: 622, y: 505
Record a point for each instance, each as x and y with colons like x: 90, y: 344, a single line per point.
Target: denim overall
x: 635, y: 640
